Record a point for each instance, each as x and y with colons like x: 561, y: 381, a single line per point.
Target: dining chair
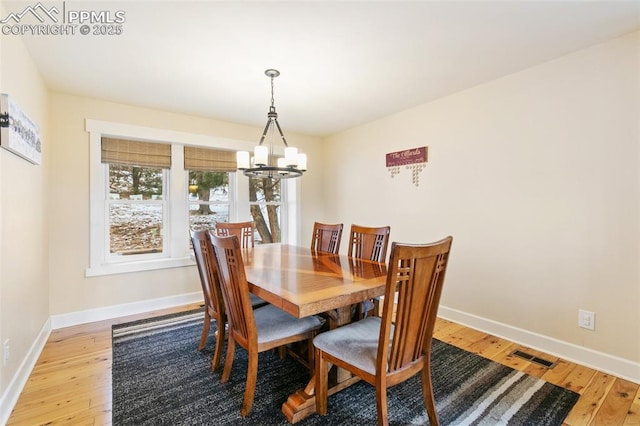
x: 326, y: 238
x: 387, y: 350
x: 243, y: 230
x: 256, y: 330
x: 213, y: 301
x: 369, y: 243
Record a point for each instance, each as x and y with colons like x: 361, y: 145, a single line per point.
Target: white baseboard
x: 115, y: 311
x: 619, y: 367
x: 601, y: 361
x: 10, y: 396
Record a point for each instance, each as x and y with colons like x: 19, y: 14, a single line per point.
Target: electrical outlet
x: 5, y: 352
x: 587, y: 319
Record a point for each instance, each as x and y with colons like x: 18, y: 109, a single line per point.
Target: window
x: 148, y: 187
x: 209, y: 201
x: 136, y: 210
x: 265, y: 202
x: 210, y: 198
x: 135, y: 206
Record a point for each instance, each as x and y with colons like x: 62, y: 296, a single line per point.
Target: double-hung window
x: 148, y: 187
x: 210, y: 198
x: 137, y: 173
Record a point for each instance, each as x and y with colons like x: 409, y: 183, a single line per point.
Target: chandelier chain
x: 272, y: 100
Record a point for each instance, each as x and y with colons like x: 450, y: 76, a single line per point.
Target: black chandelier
x: 264, y: 163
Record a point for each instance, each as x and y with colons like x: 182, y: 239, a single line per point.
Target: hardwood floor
x: 71, y: 382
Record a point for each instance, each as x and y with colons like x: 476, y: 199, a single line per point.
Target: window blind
x: 136, y: 153
x: 207, y: 159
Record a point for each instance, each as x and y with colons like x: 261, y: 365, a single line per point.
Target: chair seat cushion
x: 273, y: 324
x: 356, y: 343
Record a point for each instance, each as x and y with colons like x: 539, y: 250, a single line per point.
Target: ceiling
x: 342, y: 63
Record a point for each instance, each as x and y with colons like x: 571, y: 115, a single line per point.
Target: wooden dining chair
x: 385, y: 351
x: 243, y: 230
x: 369, y: 243
x: 256, y: 330
x: 213, y: 301
x: 326, y: 238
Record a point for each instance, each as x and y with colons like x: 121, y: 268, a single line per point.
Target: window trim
x: 178, y: 254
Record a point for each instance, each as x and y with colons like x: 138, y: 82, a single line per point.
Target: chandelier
x: 264, y: 163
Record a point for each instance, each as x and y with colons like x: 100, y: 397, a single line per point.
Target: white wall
x: 24, y: 279
x: 536, y: 177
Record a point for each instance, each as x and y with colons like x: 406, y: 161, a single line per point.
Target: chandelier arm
x: 281, y: 134
x: 266, y: 129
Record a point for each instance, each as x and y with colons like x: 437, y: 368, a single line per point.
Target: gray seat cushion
x: 356, y: 343
x: 273, y: 323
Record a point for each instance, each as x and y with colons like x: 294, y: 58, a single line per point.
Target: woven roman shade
x: 136, y: 153
x: 209, y: 160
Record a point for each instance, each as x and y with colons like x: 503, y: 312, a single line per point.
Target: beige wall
x: 536, y: 177
x: 24, y: 277
x: 69, y: 234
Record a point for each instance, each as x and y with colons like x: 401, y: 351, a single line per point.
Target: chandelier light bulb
x: 291, y: 156
x: 242, y: 158
x: 261, y: 155
x: 302, y: 162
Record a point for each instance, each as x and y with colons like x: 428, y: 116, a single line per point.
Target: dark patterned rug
x: 160, y: 378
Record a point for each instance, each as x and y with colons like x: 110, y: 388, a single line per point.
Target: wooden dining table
x: 303, y: 282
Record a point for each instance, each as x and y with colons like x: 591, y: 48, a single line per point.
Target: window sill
x: 138, y: 266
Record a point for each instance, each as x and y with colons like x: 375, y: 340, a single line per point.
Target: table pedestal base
x: 302, y: 404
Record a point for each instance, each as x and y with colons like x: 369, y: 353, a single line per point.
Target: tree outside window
x: 208, y: 199
x: 265, y: 201
x: 136, y: 208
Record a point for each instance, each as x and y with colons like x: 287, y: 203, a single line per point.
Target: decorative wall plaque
x: 414, y: 159
x: 18, y: 133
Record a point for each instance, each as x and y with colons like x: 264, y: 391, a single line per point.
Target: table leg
x: 302, y: 403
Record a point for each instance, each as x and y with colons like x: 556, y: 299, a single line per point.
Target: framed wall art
x: 414, y: 159
x: 18, y: 133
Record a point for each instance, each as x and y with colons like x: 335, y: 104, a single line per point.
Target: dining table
x: 305, y: 282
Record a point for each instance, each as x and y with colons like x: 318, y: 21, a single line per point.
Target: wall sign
x: 414, y: 159
x: 18, y: 133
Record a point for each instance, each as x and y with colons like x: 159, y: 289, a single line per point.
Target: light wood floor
x: 71, y: 383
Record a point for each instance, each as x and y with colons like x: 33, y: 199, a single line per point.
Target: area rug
x: 160, y: 378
